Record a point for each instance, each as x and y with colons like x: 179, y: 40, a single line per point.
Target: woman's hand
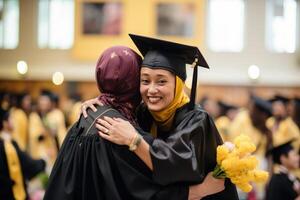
x: 89, y: 104
x: 116, y: 130
x: 121, y: 132
x: 209, y: 186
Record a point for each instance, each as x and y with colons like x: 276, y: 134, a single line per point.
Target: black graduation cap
x: 45, y: 92
x: 277, y: 151
x: 225, y: 107
x: 162, y: 54
x: 297, y: 100
x: 262, y: 105
x: 280, y: 98
x: 53, y: 97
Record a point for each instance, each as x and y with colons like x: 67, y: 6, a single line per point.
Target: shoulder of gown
x: 188, y: 153
x: 190, y: 147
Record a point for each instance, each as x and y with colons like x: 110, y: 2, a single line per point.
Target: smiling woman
x: 157, y: 87
x: 183, y: 136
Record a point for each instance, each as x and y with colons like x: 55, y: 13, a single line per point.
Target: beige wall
x: 226, y: 68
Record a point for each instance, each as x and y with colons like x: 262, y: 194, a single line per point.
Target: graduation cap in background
x: 279, y: 150
x: 225, y: 107
x: 52, y: 96
x: 45, y: 92
x: 280, y: 98
x: 297, y: 101
x: 171, y: 56
x: 263, y: 105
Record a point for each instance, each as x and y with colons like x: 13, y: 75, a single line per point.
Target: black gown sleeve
x: 136, y: 178
x: 30, y: 167
x: 188, y: 153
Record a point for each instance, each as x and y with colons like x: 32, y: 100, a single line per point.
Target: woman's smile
x: 154, y: 99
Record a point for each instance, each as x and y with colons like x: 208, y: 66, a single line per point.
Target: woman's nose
x: 152, y: 89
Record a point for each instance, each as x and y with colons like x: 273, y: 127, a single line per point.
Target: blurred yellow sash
x: 14, y: 169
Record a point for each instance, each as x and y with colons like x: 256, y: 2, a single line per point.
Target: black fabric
x: 280, y: 187
x: 187, y: 152
x: 89, y: 167
x: 262, y: 105
x: 280, y: 98
x: 29, y: 167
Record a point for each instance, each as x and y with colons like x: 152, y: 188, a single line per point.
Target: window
x: 175, y: 19
x: 9, y: 24
x: 56, y: 24
x: 226, y: 25
x: 281, y: 17
x: 102, y: 18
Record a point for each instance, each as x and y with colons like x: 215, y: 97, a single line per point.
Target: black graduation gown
x: 89, y: 167
x: 280, y: 187
x: 186, y: 153
x: 29, y: 167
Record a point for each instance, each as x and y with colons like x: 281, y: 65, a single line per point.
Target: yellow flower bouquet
x: 234, y: 161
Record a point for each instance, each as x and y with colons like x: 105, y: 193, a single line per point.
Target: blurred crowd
x: 39, y: 127
x: 270, y: 123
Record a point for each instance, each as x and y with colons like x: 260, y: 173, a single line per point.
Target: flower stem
x: 219, y: 173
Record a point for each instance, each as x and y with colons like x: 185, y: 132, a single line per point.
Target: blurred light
x: 253, y: 72
x: 22, y: 67
x: 58, y: 78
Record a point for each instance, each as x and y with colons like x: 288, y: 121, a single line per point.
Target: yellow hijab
x: 164, y: 118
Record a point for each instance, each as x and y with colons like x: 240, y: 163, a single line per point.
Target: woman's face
x: 157, y: 88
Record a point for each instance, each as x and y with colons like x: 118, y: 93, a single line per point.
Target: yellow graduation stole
x: 14, y: 169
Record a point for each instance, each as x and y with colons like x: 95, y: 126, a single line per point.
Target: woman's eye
x: 161, y: 82
x: 144, y: 81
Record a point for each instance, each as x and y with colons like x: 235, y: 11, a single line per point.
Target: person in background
x: 7, y: 100
x: 295, y: 111
x: 295, y: 115
x: 43, y: 141
x: 74, y: 109
x: 211, y: 106
x: 16, y: 167
x: 252, y: 122
x: 55, y: 121
x: 223, y: 121
x: 283, y: 184
x: 20, y: 114
x: 281, y: 124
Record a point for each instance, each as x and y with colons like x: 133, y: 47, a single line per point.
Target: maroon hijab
x: 118, y: 79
